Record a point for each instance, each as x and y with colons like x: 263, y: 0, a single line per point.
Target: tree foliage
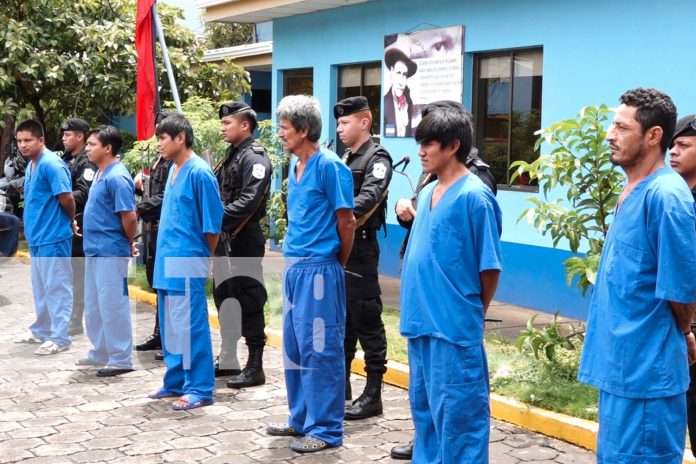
x: 578, y: 166
x: 277, y: 222
x: 550, y: 338
x: 62, y: 58
x: 203, y: 114
x: 221, y: 35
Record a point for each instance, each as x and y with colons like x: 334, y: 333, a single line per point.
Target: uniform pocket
x: 625, y: 267
x: 466, y: 418
x: 446, y: 246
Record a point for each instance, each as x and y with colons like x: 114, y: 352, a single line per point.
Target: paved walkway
x: 53, y: 412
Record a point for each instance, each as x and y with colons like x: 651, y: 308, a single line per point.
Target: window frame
x: 376, y: 115
x: 478, y: 117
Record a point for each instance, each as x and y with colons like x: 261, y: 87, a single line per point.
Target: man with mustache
x: 639, y: 342
x: 321, y: 229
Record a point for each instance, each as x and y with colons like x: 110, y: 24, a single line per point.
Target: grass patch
x: 539, y: 383
x: 139, y: 278
x: 513, y: 374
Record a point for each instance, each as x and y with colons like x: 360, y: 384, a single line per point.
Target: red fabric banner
x: 145, y: 96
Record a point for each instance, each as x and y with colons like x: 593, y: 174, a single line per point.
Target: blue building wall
x: 593, y: 51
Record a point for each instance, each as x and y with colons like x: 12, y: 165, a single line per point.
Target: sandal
x: 27, y: 337
x: 162, y: 393
x: 279, y: 429
x: 191, y: 402
x: 308, y: 445
x: 49, y: 347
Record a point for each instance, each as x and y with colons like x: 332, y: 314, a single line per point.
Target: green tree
x: 62, y: 58
x: 221, y: 35
x: 203, y: 114
x: 580, y: 189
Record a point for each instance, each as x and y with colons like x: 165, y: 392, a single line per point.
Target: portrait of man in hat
x: 398, y: 105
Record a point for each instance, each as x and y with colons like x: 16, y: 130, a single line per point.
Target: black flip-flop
x: 112, y: 371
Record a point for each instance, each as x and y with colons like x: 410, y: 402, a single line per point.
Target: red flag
x: 146, y: 90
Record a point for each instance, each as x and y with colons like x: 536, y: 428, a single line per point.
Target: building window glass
x: 507, y: 108
x: 366, y: 80
x: 298, y: 82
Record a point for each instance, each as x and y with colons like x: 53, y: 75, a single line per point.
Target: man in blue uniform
x: 406, y: 210
x: 639, y: 343
x: 49, y: 210
x: 319, y: 239
x: 682, y: 158
x: 109, y: 228
x: 188, y: 234
x: 454, y: 258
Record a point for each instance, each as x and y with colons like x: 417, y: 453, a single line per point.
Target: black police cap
x: 233, y: 108
x: 350, y: 105
x: 686, y: 127
x: 75, y: 124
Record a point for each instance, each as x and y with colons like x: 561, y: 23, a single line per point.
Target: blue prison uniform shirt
x: 633, y: 346
x: 450, y: 245
x: 191, y: 208
x: 326, y: 185
x: 45, y: 222
x: 111, y: 193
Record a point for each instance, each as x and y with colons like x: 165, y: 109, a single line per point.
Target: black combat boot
x: 153, y: 342
x: 252, y: 374
x: 349, y: 390
x: 402, y: 451
x: 370, y: 402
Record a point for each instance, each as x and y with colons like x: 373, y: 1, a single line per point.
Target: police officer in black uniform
x: 74, y: 136
x: 244, y: 175
x: 683, y: 159
x: 406, y: 211
x: 371, y: 167
x: 149, y: 209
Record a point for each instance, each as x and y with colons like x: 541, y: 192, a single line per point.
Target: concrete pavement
x: 54, y: 412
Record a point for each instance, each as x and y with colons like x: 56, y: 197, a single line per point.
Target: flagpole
x: 165, y: 54
x: 158, y: 102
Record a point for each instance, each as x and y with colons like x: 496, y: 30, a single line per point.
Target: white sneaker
x: 27, y: 337
x: 49, y: 348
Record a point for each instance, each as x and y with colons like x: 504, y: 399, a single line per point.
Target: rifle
x: 146, y: 226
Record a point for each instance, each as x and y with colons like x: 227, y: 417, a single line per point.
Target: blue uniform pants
x: 641, y: 431
x: 314, y: 324
x: 186, y: 341
x: 448, y: 392
x: 107, y: 311
x: 51, y: 281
